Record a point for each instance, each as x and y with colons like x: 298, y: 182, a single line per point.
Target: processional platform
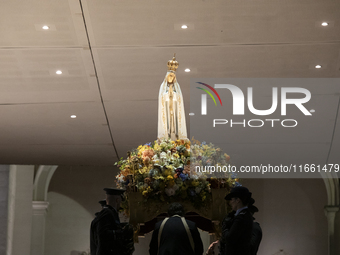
x: 144, y: 216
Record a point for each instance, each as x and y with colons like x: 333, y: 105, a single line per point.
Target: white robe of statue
x: 179, y: 124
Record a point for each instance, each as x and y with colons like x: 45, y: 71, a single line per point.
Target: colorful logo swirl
x: 208, y: 92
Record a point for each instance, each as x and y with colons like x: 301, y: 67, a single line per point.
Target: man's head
x: 238, y: 197
x: 114, y: 197
x: 176, y: 209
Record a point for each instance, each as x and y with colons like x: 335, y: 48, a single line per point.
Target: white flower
x: 198, y: 190
x: 163, y: 155
x: 121, y: 178
x: 193, y: 176
x: 175, y: 187
x: 196, y: 175
x: 200, y: 175
x: 155, y: 159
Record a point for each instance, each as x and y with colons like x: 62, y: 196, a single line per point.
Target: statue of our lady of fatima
x: 171, y: 116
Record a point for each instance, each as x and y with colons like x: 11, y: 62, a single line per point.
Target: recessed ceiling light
x: 45, y: 27
x: 187, y: 70
x: 324, y: 24
x: 312, y: 110
x: 58, y: 72
x: 184, y: 26
x: 318, y: 66
x: 73, y: 116
x: 191, y: 114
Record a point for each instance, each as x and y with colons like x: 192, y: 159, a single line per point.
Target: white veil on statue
x: 171, y: 116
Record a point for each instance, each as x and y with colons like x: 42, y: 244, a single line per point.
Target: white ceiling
x: 113, y: 55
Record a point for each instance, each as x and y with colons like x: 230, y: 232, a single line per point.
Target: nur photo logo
x: 279, y: 100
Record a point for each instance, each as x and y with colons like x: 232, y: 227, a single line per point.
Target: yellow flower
x: 148, y: 190
x: 170, y: 177
x: 195, y: 183
x: 157, y: 147
x: 144, y: 170
x: 203, y: 198
x: 142, y: 148
x: 166, y: 172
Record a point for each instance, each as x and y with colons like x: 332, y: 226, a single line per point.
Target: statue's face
x: 171, y: 78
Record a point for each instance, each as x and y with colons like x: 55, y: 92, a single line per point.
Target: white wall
x: 67, y: 226
x: 291, y: 215
x: 20, y: 209
x: 73, y: 198
x: 4, y: 177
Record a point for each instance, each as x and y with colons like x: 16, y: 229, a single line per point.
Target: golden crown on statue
x: 173, y: 64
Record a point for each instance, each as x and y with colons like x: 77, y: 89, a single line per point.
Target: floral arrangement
x: 165, y: 171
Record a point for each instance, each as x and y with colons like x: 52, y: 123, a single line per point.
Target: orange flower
x: 147, y: 154
x: 126, y: 172
x: 227, y: 157
x: 186, y: 170
x: 146, y: 160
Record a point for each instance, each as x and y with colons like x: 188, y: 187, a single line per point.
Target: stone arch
x: 42, y: 180
x: 332, y: 184
x: 331, y: 181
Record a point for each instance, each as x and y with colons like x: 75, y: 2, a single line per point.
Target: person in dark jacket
x: 257, y: 231
x: 93, y: 237
x: 237, y: 225
x: 107, y: 234
x: 176, y: 235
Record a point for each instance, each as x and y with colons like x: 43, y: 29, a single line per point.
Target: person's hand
x: 211, y: 249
